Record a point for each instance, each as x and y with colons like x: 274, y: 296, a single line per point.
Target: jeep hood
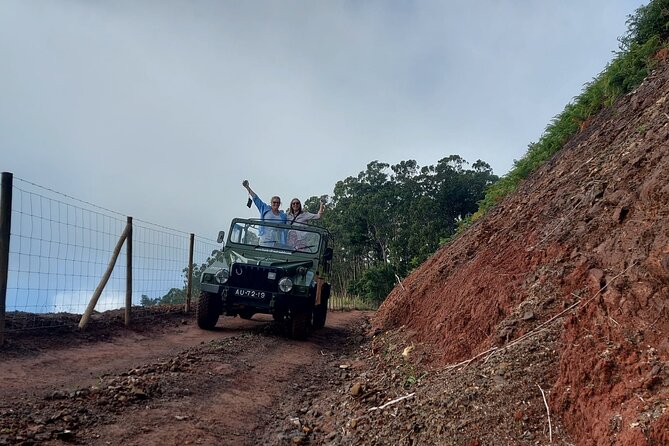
x: 266, y: 258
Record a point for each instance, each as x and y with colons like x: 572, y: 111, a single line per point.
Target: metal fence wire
x: 60, y: 248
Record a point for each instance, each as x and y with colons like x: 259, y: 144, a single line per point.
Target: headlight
x: 222, y: 276
x: 285, y: 284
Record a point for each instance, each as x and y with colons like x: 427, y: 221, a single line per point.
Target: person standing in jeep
x: 268, y: 236
x: 271, y: 212
x: 296, y: 214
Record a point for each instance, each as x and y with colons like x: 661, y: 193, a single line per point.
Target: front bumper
x: 235, y: 299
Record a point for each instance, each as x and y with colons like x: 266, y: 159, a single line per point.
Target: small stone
x: 138, y: 393
x: 66, y: 435
x: 655, y: 370
x: 58, y: 395
x: 528, y: 315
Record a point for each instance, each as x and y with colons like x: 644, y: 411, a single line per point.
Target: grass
x: 646, y: 38
x: 345, y: 302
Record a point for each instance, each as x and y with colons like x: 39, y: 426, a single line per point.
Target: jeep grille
x: 255, y: 277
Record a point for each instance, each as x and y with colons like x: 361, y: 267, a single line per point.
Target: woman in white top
x: 296, y: 215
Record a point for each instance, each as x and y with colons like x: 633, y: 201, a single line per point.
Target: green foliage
x: 646, y: 23
x: 178, y: 295
x: 375, y: 283
x: 389, y: 219
x: 173, y: 296
x: 146, y: 301
x: 648, y: 31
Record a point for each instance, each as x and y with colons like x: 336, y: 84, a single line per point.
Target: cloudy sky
x: 159, y: 109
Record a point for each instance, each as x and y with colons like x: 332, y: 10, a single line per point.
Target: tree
x: 146, y: 301
x: 388, y: 219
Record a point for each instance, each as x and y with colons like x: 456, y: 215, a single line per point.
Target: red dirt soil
x: 584, y: 240
x: 169, y: 382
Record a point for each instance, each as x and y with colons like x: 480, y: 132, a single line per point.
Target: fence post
x: 103, y: 281
x: 5, y: 230
x: 190, y: 273
x: 128, y: 273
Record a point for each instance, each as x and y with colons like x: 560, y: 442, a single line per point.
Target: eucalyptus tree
x: 388, y: 219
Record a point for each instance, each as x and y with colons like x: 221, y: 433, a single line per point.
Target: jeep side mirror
x: 221, y: 237
x: 327, y: 255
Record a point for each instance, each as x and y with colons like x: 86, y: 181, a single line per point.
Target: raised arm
x: 245, y: 183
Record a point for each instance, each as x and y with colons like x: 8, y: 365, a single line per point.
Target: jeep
x: 269, y: 267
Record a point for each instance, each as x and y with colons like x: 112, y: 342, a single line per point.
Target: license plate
x: 251, y: 293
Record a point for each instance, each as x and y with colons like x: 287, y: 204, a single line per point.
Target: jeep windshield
x: 293, y: 238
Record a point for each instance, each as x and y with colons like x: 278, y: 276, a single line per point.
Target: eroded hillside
x: 581, y: 249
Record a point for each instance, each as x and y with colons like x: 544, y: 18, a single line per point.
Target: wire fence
x: 60, y: 248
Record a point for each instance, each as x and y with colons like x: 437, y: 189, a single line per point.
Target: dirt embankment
x: 584, y: 240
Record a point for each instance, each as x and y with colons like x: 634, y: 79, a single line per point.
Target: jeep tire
x: 207, y: 310
x: 321, y: 311
x: 299, y: 324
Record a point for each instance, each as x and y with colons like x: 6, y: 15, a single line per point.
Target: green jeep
x: 272, y: 268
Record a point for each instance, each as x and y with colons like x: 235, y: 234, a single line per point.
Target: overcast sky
x: 159, y: 109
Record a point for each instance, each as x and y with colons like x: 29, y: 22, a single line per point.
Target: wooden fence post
x: 5, y: 230
x: 128, y: 272
x: 103, y: 281
x: 189, y: 292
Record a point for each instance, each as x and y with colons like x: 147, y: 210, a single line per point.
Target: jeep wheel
x: 321, y: 311
x: 208, y: 310
x: 320, y: 314
x: 300, y: 324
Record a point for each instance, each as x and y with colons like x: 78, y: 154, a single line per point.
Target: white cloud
x: 77, y: 301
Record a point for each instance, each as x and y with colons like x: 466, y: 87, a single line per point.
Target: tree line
x: 389, y: 219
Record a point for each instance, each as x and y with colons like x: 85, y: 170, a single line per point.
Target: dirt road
x: 236, y: 385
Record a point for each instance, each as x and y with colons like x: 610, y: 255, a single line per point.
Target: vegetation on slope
x: 647, y: 34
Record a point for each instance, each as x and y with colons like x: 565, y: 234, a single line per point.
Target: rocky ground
x: 246, y: 383
x: 169, y: 382
x: 387, y: 395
